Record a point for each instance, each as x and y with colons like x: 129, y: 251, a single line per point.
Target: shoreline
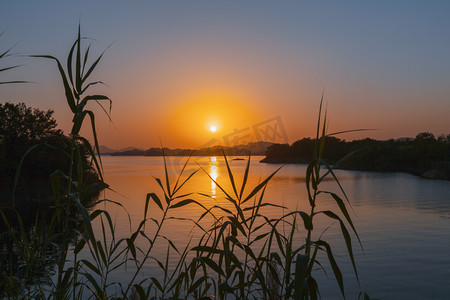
x: 440, y: 172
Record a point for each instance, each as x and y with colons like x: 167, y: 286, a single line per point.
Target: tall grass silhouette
x: 241, y: 254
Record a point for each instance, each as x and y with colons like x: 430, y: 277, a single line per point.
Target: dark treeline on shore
x: 29, y: 139
x: 256, y: 148
x: 424, y: 155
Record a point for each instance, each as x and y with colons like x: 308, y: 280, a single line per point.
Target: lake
x: 403, y: 221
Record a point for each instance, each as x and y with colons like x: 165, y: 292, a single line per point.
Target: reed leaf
x: 244, y: 180
x: 260, y: 186
x: 230, y: 174
x: 334, y: 266
x: 347, y: 238
x: 155, y: 199
x: 69, y: 96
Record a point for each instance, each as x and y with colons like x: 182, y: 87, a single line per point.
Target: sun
x: 213, y: 128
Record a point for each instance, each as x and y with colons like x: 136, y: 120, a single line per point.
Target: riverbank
x: 423, y: 156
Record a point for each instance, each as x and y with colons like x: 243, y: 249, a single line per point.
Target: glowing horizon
x: 176, y: 69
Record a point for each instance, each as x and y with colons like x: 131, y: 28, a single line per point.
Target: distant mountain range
x: 106, y: 150
x: 256, y: 148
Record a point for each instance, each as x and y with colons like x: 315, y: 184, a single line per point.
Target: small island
x: 425, y: 155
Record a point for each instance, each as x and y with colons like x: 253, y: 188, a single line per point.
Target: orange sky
x: 175, y: 68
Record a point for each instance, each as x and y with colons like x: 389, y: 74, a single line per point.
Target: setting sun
x: 215, y: 119
x: 201, y: 114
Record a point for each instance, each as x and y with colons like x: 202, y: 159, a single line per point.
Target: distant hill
x: 129, y: 149
x: 106, y: 150
x: 256, y: 148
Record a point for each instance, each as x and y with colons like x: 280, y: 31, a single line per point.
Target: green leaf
x: 196, y: 284
x: 244, y: 180
x: 334, y: 266
x: 69, y: 62
x: 69, y: 96
x: 132, y: 248
x: 313, y: 288
x: 86, y: 55
x: 86, y: 218
x: 91, y: 266
x: 140, y: 291
x: 94, y: 97
x: 186, y: 202
x: 78, y: 63
x: 318, y: 119
x: 363, y: 296
x: 344, y: 211
x: 237, y: 224
x: 79, y: 246
x: 230, y: 174
x: 260, y: 186
x: 301, y: 265
x: 156, y: 282
x: 311, y: 181
x: 212, y: 264
x: 306, y: 220
x: 93, y: 66
x: 97, y: 289
x: 347, y: 238
x: 9, y: 68
x: 14, y: 81
x: 155, y: 199
x: 176, y: 189
x: 260, y: 237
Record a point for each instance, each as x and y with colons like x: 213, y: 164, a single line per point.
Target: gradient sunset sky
x: 175, y: 68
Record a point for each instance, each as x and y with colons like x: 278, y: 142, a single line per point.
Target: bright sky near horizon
x: 177, y: 68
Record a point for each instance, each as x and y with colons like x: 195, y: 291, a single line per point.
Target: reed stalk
x: 242, y: 254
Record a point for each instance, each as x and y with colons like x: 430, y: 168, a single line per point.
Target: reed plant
x: 241, y: 253
x: 3, y: 55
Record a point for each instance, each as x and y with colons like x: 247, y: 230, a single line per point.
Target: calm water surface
x: 403, y: 220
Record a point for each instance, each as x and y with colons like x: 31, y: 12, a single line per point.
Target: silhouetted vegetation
x: 256, y: 148
x: 37, y: 247
x: 242, y: 253
x: 425, y: 155
x: 3, y: 68
x: 24, y: 129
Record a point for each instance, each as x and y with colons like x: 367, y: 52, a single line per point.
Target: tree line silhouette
x: 425, y: 155
x: 29, y: 139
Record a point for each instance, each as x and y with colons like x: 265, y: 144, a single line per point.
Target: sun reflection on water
x: 214, y: 174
